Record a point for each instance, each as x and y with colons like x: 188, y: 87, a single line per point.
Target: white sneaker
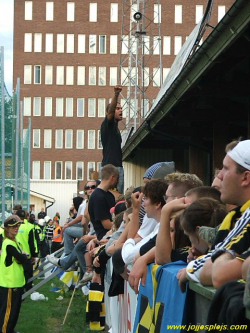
x: 53, y: 260
x: 84, y: 280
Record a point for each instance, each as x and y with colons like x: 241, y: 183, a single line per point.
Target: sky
x: 6, y: 39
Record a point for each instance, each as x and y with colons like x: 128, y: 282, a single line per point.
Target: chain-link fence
x: 15, y: 150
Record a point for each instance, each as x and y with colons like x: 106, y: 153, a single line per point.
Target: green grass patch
x: 47, y: 316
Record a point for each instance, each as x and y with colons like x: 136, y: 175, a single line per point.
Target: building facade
x: 70, y: 54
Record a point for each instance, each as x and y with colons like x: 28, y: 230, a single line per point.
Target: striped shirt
x: 238, y: 240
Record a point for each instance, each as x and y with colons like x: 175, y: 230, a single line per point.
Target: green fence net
x: 15, y: 151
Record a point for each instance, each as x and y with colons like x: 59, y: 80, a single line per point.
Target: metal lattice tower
x: 141, y: 58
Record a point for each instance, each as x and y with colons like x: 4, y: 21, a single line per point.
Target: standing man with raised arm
x: 111, y: 136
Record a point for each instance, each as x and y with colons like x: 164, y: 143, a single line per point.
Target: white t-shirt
x: 148, y: 225
x: 81, y: 208
x: 130, y: 248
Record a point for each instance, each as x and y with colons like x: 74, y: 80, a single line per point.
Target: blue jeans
x: 120, y: 185
x: 68, y: 235
x: 77, y: 254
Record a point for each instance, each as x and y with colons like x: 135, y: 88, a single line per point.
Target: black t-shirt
x: 100, y: 203
x: 111, y: 142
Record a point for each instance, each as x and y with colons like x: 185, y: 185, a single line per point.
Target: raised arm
x: 112, y: 107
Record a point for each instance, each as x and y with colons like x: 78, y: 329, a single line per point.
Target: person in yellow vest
x: 26, y: 236
x: 57, y: 236
x: 1, y: 236
x: 12, y: 277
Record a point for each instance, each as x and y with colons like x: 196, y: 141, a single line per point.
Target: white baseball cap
x: 241, y: 154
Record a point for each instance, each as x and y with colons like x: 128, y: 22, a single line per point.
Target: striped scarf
x: 197, y: 264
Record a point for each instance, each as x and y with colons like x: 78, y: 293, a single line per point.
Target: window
x: 69, y: 107
x: 113, y: 76
x: 27, y: 42
x: 69, y: 75
x: 124, y: 76
x: 91, y: 139
x: 27, y: 74
x: 27, y: 106
x: 49, y: 11
x: 47, y: 170
x: 178, y: 14
x: 102, y: 76
x: 99, y: 167
x: 133, y: 44
x: 79, y: 139
x: 157, y: 43
x: 165, y: 73
x: 114, y: 12
x: 68, y: 170
x: 37, y: 42
x: 113, y: 44
x: 101, y: 107
x: 79, y: 170
x: 146, y: 76
x: 92, y: 43
x: 91, y: 168
x: 36, y: 170
x: 59, y: 107
x: 99, y: 141
x: 91, y: 107
x: 177, y: 44
x: 81, y: 43
x: 146, y: 104
x: 60, y: 75
x: 48, y: 106
x: 157, y: 77
x: 37, y: 74
x: 36, y: 138
x: 37, y: 106
x: 68, y: 138
x: 81, y: 75
x: 133, y: 108
x: 102, y: 44
x: 93, y: 12
x: 167, y: 45
x: 198, y: 13
x: 221, y: 12
x: 70, y: 43
x: 146, y: 44
x: 58, y: 169
x: 49, y: 43
x: 157, y: 13
x: 28, y: 8
x: 92, y: 75
x: 59, y: 139
x: 60, y: 43
x: 70, y: 11
x: 125, y: 40
x: 47, y: 138
x: 48, y: 74
x: 80, y: 107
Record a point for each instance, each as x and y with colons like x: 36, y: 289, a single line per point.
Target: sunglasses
x: 92, y: 187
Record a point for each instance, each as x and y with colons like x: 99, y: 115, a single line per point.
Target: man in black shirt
x: 111, y: 136
x: 101, y: 200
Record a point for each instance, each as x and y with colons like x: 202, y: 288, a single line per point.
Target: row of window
x: 96, y: 43
x: 96, y: 75
x: 63, y: 173
x: 65, y: 139
x: 93, y: 12
x: 70, y: 8
x: 64, y: 107
x: 66, y: 43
